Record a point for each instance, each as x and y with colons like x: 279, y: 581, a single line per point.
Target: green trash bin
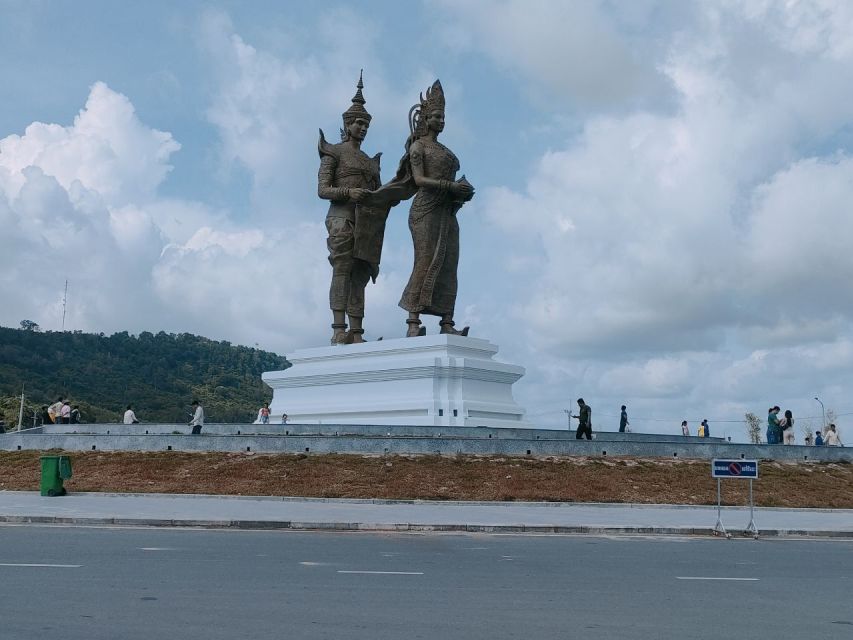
x: 54, y: 470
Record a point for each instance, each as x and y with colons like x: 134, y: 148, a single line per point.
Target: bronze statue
x: 433, y: 284
x: 347, y: 176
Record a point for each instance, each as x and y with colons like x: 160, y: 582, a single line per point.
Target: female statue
x: 432, y: 219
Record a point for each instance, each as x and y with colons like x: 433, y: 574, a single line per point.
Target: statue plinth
x: 438, y: 380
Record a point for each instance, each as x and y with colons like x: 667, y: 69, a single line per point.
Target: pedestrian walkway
x: 164, y: 510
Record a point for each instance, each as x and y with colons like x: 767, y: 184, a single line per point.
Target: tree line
x: 159, y: 374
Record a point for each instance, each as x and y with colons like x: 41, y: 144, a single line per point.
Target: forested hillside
x: 158, y: 374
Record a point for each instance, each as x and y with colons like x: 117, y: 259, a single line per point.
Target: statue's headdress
x: 434, y: 101
x: 357, y: 109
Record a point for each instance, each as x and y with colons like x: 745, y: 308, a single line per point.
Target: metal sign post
x: 738, y: 469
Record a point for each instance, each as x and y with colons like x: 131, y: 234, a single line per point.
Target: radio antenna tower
x: 64, y: 301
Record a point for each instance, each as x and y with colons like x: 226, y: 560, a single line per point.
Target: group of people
x: 61, y: 412
x: 196, y: 420
x: 780, y: 430
x: 264, y: 415
x: 704, y: 430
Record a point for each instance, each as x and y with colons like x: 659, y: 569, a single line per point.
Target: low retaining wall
x: 417, y: 445
x: 362, y: 431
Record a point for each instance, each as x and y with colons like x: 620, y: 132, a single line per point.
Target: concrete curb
x: 408, y: 527
x: 509, y: 504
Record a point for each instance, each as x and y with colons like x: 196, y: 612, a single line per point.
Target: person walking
x: 584, y: 418
x: 623, y: 420
x: 831, y: 437
x: 685, y: 430
x: 130, y: 416
x: 774, y: 429
x: 198, y: 418
x: 788, y: 436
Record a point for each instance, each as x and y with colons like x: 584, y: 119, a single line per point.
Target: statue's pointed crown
x: 433, y: 101
x: 357, y: 109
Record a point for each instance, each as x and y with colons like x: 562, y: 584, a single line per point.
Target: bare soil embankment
x: 634, y: 480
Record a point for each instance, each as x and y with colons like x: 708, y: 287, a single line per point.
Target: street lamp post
x: 823, y: 409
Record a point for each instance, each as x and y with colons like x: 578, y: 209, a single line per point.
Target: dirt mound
x: 581, y: 479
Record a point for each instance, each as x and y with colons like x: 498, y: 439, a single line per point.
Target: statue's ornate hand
x: 462, y: 189
x: 358, y: 194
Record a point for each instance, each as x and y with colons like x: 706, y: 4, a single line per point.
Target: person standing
x: 774, y: 431
x: 706, y: 429
x: 623, y: 420
x: 347, y: 176
x: 75, y: 414
x: 584, y: 418
x: 198, y: 418
x: 788, y: 435
x: 685, y: 430
x: 65, y: 413
x: 54, y: 411
x: 818, y: 439
x: 831, y: 437
x: 264, y: 413
x: 130, y: 416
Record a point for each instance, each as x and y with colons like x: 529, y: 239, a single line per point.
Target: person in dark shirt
x: 623, y: 421
x: 584, y: 418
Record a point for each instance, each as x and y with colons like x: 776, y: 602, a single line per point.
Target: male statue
x: 347, y: 176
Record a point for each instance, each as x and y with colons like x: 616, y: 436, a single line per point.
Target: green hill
x: 158, y: 374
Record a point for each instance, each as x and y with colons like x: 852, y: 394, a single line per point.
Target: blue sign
x: 722, y: 468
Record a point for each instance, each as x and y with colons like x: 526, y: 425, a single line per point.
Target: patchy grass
x: 637, y: 480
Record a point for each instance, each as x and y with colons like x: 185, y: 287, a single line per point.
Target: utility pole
x: 64, y: 301
x: 21, y: 412
x: 568, y: 413
x: 823, y: 409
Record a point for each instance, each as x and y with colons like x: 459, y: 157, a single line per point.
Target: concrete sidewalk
x: 162, y: 510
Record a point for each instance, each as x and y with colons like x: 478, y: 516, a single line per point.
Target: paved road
x: 201, y: 584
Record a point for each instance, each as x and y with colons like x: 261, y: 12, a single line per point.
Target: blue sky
x: 661, y: 212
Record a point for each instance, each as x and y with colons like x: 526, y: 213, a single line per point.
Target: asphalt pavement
x: 105, y: 583
x: 389, y: 515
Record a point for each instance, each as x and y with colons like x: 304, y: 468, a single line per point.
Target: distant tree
x: 29, y: 325
x: 753, y: 427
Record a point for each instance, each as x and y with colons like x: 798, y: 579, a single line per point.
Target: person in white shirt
x: 831, y: 437
x: 198, y: 418
x: 129, y: 416
x: 65, y: 413
x: 54, y: 410
x: 685, y: 431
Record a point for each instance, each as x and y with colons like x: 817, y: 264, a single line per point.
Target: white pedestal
x: 439, y: 380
